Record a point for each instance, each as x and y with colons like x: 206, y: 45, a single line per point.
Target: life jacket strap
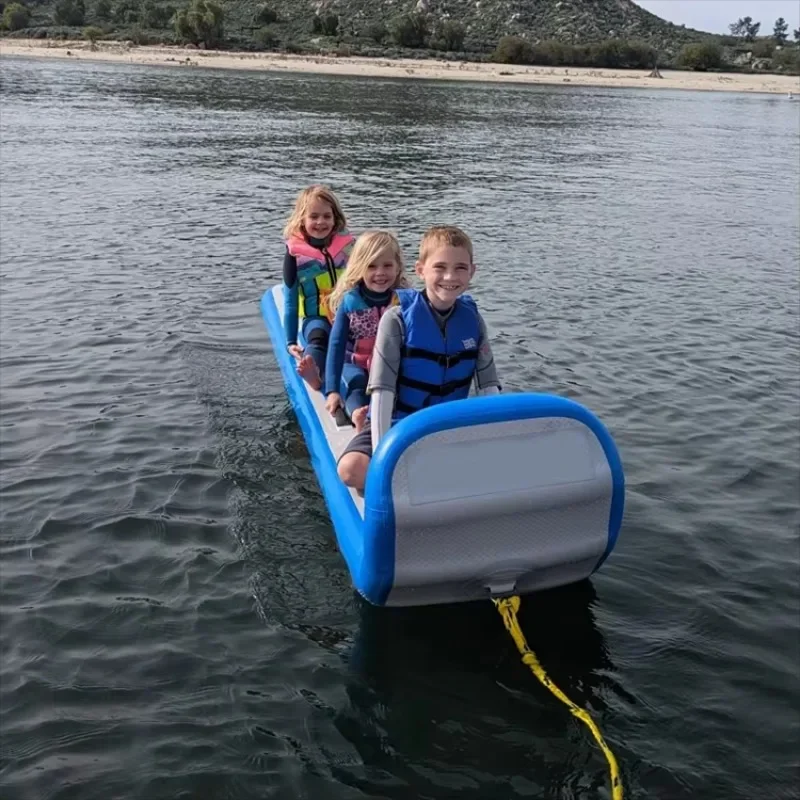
x: 405, y: 408
x: 441, y: 359
x: 436, y: 390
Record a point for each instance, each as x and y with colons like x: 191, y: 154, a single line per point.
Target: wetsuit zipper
x: 330, y: 265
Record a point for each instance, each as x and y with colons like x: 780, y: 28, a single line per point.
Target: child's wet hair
x: 443, y: 236
x: 367, y: 248
x: 317, y: 191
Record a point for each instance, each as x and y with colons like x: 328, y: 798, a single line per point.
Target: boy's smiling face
x: 446, y: 272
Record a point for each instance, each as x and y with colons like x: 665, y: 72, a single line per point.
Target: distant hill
x: 371, y: 26
x: 487, y: 21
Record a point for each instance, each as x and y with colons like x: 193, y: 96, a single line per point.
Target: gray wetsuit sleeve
x: 380, y: 409
x: 386, y: 353
x: 485, y: 371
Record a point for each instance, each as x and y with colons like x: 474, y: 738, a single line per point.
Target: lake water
x: 176, y: 619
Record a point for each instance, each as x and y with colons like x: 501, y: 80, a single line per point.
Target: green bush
x: 787, y: 60
x: 16, y: 17
x: 763, y: 48
x: 553, y: 53
x: 612, y: 53
x: 639, y: 55
x: 700, y: 56
x: 46, y: 32
x: 201, y: 22
x: 325, y: 24
x: 140, y: 37
x: 513, y: 50
x: 92, y: 33
x: 266, y: 37
x: 125, y: 12
x: 622, y: 54
x: 69, y: 12
x: 607, y: 54
x: 265, y: 16
x: 375, y: 31
x: 448, y: 36
x: 155, y: 16
x: 409, y: 30
x: 102, y: 10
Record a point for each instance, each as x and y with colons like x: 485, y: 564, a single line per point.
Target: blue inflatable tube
x: 483, y: 497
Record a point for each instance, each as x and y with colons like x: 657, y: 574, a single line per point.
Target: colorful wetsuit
x: 352, y: 340
x: 311, y: 268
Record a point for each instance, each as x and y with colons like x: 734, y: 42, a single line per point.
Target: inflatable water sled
x: 484, y: 497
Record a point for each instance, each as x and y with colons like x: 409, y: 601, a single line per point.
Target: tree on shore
x: 69, y: 12
x: 92, y: 33
x: 409, y: 30
x: 780, y: 33
x: 103, y: 10
x: 201, y: 22
x: 448, y: 35
x: 325, y: 24
x: 15, y: 17
x: 745, y: 28
x: 265, y: 15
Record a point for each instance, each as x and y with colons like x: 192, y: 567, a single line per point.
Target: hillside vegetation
x: 601, y: 33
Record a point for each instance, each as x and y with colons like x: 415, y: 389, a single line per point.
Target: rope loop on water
x: 508, y: 608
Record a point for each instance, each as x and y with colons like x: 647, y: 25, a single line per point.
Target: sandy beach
x: 430, y: 69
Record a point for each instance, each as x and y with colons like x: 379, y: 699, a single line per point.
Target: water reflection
x: 408, y: 670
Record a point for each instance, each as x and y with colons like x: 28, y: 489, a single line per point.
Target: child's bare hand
x: 295, y: 350
x: 333, y: 402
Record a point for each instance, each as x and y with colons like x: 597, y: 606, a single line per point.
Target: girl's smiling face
x: 318, y: 219
x: 381, y: 273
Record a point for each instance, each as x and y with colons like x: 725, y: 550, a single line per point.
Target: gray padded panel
x: 497, y: 509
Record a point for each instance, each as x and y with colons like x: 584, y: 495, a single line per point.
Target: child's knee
x: 316, y: 335
x: 352, y: 469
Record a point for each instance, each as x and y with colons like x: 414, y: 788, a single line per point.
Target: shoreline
x: 426, y: 69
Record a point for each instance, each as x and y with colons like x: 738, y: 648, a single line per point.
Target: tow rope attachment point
x: 508, y: 608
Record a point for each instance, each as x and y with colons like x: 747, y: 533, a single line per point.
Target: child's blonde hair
x: 441, y: 236
x: 317, y: 191
x: 367, y: 248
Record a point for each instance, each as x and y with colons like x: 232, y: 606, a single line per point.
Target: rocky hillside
x: 486, y: 21
x: 371, y: 27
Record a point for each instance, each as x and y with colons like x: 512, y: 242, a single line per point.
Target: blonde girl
x: 359, y: 300
x: 317, y: 249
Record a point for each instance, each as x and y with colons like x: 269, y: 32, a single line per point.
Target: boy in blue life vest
x: 429, y: 349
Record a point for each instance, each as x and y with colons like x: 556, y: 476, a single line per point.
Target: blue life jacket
x: 435, y: 367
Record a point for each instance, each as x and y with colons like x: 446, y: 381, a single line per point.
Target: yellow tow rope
x: 508, y: 607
